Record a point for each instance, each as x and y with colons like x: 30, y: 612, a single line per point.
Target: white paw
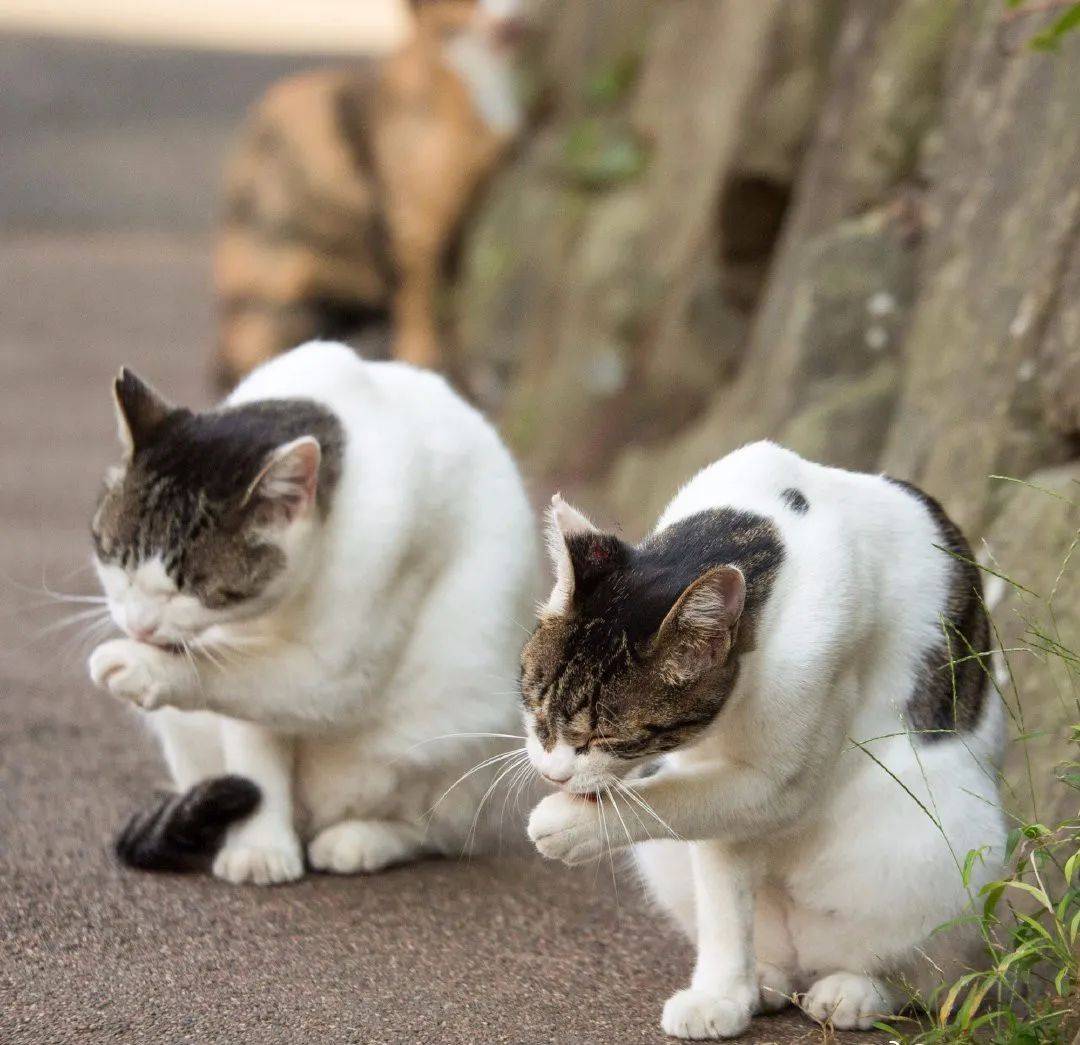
x: 568, y: 829
x: 356, y: 846
x: 131, y: 671
x: 847, y: 1001
x: 268, y: 864
x: 775, y: 987
x: 694, y: 1013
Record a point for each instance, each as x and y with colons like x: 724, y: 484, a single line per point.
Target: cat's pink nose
x: 143, y: 633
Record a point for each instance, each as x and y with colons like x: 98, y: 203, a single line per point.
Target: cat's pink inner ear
x: 289, y: 480
x: 698, y: 631
x: 564, y: 521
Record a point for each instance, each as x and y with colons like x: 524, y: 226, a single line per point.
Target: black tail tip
x: 183, y: 832
x: 227, y: 798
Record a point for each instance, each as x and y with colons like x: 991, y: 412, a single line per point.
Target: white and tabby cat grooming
x: 782, y: 642
x: 320, y: 580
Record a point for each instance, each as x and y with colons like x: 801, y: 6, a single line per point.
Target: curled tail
x: 183, y: 832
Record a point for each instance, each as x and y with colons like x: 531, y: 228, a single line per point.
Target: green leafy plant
x: 1067, y: 20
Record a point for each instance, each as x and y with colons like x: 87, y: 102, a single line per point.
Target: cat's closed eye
x: 217, y: 598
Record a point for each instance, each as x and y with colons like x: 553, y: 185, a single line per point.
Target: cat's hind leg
x: 364, y: 846
x: 874, y: 880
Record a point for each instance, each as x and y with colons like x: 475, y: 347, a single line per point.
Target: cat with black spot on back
x: 780, y: 703
x: 322, y: 584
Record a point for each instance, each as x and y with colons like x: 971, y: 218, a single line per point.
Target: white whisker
x: 503, y: 771
x: 607, y: 841
x: 631, y: 809
x: 521, y: 774
x: 204, y: 650
x: 452, y: 736
x: 475, y: 769
x: 97, y: 613
x: 636, y: 797
x: 615, y: 806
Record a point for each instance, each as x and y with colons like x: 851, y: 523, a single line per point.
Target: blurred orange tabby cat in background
x: 347, y: 186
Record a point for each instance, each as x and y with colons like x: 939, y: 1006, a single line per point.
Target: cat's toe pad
x: 259, y: 864
x: 359, y: 846
x: 697, y: 1014
x: 847, y: 1001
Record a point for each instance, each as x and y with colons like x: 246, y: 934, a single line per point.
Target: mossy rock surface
x: 1035, y: 541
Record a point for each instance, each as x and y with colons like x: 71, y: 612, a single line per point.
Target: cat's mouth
x: 161, y: 644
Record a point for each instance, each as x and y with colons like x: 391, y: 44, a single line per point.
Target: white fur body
x: 810, y: 863
x: 407, y: 628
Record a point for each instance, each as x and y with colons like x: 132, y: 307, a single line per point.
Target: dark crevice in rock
x: 752, y: 210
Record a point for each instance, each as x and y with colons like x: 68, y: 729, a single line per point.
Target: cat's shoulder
x: 809, y: 505
x: 332, y: 372
x: 307, y: 370
x: 762, y: 477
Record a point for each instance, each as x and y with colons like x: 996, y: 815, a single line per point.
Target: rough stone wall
x: 628, y: 300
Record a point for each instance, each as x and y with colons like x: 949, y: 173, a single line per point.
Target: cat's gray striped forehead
x: 180, y: 496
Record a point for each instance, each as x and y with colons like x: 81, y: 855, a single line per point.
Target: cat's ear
x: 564, y: 522
x: 699, y: 629
x: 286, y: 485
x: 579, y: 553
x: 139, y: 410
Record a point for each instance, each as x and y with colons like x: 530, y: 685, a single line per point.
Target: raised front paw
x: 133, y: 671
x: 567, y: 828
x: 268, y: 863
x: 697, y: 1014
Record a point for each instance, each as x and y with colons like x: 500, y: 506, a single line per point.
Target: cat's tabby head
x: 627, y: 661
x: 211, y: 517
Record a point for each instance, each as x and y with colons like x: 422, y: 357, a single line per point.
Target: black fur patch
x: 953, y: 677
x: 220, y: 452
x: 632, y: 588
x: 795, y: 500
x: 184, y: 832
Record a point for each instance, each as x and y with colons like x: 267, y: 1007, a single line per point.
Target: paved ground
x: 110, y: 158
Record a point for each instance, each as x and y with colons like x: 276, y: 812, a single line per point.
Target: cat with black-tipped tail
x: 322, y: 584
x: 798, y: 656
